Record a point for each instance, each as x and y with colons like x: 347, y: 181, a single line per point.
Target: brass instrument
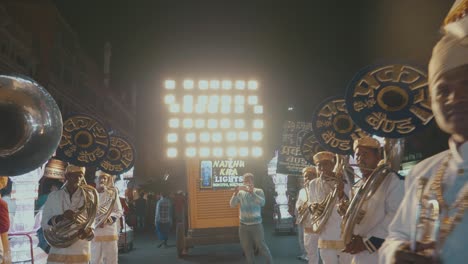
x: 106, y: 202
x: 321, y: 211
x: 66, y: 232
x: 31, y: 125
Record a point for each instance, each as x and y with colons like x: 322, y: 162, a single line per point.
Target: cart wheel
x: 180, y: 236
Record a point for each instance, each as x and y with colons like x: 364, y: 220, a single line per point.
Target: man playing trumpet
x: 369, y: 232
x: 329, y: 243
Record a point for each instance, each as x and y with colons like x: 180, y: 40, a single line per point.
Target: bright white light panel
x: 213, y: 118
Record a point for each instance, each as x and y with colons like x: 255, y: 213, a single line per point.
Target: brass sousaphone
x: 391, y: 101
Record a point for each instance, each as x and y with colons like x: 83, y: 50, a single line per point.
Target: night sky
x: 301, y: 51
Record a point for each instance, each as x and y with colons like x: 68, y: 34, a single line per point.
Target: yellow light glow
x: 190, y: 137
x: 214, y: 84
x: 217, y: 152
x: 252, y: 85
x: 239, y: 109
x: 257, y: 136
x: 216, y: 137
x: 257, y: 152
x: 203, y: 85
x: 202, y: 99
x: 225, y: 123
x: 226, y: 84
x: 243, y: 152
x: 188, y: 84
x: 243, y: 136
x: 169, y: 84
x: 239, y: 123
x: 187, y: 123
x: 239, y: 99
x: 231, y: 136
x: 252, y: 100
x: 214, y: 99
x: 200, y: 123
x: 174, y: 123
x: 200, y: 109
x: 169, y: 99
x: 204, y: 152
x: 240, y: 85
x: 258, y: 109
x: 226, y: 99
x: 213, y: 108
x: 231, y: 152
x: 212, y: 123
x: 172, y: 137
x: 257, y: 123
x: 190, y: 152
x: 204, y: 137
x: 225, y: 108
x: 174, y: 108
x: 172, y: 152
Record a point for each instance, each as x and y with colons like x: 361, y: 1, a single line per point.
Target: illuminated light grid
x: 188, y: 99
x: 217, y: 152
x: 174, y: 108
x: 231, y: 136
x: 200, y: 123
x: 204, y: 152
x: 200, y: 109
x: 213, y: 108
x: 225, y: 108
x: 226, y: 99
x: 239, y: 109
x: 205, y: 137
x: 240, y: 85
x: 257, y: 152
x: 252, y: 100
x: 169, y: 99
x: 190, y: 152
x: 243, y: 136
x: 202, y: 99
x: 231, y: 151
x: 174, y: 123
x: 257, y: 123
x: 214, y: 84
x: 239, y: 99
x: 203, y: 85
x: 190, y: 137
x: 258, y: 109
x: 170, y: 84
x: 243, y: 152
x: 171, y: 152
x: 226, y: 85
x: 257, y: 136
x: 239, y: 123
x: 252, y: 85
x: 187, y: 123
x: 217, y: 137
x: 225, y: 123
x: 214, y: 99
x: 172, y: 138
x: 188, y: 108
x: 212, y: 123
x: 188, y: 84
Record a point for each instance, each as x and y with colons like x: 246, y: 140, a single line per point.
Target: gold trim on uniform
x: 106, y: 238
x: 67, y: 258
x: 331, y: 244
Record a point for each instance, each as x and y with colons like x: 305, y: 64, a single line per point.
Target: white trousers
x: 365, y: 257
x: 104, y: 252
x: 300, y: 238
x: 334, y: 256
x: 311, y: 247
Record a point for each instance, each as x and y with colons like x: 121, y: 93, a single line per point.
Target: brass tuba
x: 66, y: 232
x: 107, y: 201
x: 31, y: 125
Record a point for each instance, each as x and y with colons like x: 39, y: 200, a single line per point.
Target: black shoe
x: 160, y: 245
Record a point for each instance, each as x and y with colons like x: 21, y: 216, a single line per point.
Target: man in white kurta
x: 104, y: 247
x: 448, y: 85
x: 371, y: 231
x: 60, y: 206
x: 330, y: 244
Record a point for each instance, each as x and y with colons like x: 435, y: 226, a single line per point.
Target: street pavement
x: 284, y: 248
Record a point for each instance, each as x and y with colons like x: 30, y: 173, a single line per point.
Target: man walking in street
x: 251, y: 233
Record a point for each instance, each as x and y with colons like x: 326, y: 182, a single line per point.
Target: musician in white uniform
x: 446, y: 174
x: 104, y: 247
x: 330, y: 244
x: 380, y: 209
x: 60, y: 205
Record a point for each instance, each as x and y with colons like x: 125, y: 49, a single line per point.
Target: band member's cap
x: 309, y: 169
x: 456, y: 22
x: 366, y: 142
x: 103, y: 174
x: 75, y: 169
x: 323, y: 155
x: 3, y: 182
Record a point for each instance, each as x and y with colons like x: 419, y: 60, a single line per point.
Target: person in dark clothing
x: 140, y: 208
x: 163, y: 219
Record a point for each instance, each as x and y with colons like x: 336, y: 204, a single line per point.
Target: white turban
x: 449, y: 53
